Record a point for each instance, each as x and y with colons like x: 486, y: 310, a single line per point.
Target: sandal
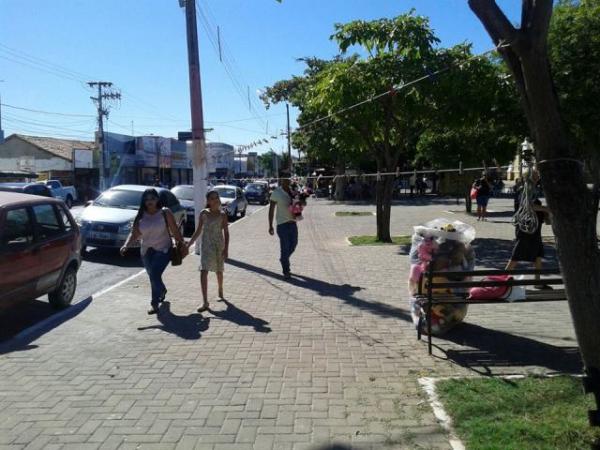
x: 153, y: 310
x: 203, y: 308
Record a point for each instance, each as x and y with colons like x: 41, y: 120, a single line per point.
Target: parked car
x: 107, y: 221
x: 67, y: 194
x: 185, y: 195
x: 257, y: 192
x: 233, y: 200
x: 39, y: 249
x: 27, y: 188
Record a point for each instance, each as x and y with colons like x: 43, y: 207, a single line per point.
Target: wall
x: 16, y: 154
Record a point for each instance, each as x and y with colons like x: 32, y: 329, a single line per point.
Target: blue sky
x: 140, y: 46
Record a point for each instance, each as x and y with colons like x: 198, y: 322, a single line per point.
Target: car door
x: 241, y: 200
x: 53, y: 243
x: 19, y: 259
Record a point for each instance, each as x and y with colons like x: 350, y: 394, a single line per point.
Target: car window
x: 53, y: 184
x: 18, y: 231
x: 47, y: 224
x: 67, y: 225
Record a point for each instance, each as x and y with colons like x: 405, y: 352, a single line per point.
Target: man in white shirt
x: 287, y: 229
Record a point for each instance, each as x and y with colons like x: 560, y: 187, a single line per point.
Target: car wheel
x: 243, y: 213
x: 63, y: 295
x: 69, y: 201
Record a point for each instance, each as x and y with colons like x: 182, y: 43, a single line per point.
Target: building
x: 143, y: 159
x: 67, y: 160
x: 220, y: 159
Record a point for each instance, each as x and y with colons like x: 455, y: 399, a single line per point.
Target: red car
x: 39, y: 249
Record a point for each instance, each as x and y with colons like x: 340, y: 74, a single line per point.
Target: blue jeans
x: 155, y: 264
x: 288, y: 240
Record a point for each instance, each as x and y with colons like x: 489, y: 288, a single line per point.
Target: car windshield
x: 255, y: 188
x: 226, y: 192
x: 183, y: 192
x: 116, y: 198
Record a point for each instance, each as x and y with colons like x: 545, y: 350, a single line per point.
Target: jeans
x: 288, y: 240
x: 155, y: 264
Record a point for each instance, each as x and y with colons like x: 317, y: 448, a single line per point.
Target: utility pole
x: 103, y: 112
x: 1, y: 130
x: 199, y: 167
x: 289, y: 137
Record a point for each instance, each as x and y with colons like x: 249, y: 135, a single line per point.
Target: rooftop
x: 59, y: 147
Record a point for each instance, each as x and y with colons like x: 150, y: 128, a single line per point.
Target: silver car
x: 233, y: 200
x: 107, y: 221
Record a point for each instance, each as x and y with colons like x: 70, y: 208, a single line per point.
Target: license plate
x: 100, y: 236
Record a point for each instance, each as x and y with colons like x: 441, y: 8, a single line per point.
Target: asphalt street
x: 99, y: 270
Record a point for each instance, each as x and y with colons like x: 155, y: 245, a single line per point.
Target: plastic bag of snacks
x: 444, y: 246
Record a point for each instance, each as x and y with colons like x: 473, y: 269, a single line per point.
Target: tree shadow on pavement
x: 495, y: 253
x: 494, y: 348
x: 188, y: 327
x: 344, y: 292
x: 22, y: 341
x: 240, y: 317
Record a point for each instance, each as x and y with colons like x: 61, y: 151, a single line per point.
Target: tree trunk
x: 340, y: 181
x: 385, y: 190
x: 571, y: 202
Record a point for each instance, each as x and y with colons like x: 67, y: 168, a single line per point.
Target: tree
x: 389, y: 120
x: 476, y: 115
x: 574, y: 51
x: 524, y: 48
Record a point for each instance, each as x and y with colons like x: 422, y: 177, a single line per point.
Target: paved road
x: 100, y: 269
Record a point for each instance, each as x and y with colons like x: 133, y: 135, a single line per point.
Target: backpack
x: 491, y: 292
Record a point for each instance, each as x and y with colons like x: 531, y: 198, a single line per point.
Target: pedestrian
x: 483, y: 188
x: 153, y: 226
x: 214, y: 228
x: 529, y: 246
x: 287, y: 228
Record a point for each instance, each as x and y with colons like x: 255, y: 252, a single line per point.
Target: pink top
x: 153, y: 229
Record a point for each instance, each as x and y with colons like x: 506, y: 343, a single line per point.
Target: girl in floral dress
x: 214, y: 228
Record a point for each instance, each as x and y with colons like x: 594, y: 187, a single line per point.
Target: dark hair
x: 208, y: 194
x: 148, y: 192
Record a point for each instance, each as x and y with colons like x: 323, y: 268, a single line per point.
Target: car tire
x: 62, y: 296
x: 69, y: 201
x: 243, y: 213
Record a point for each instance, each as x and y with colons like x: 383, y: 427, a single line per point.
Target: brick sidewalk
x: 330, y: 357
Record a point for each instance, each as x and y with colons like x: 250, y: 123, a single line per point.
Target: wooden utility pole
x: 199, y: 161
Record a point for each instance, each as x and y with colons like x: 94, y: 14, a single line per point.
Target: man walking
x: 287, y: 229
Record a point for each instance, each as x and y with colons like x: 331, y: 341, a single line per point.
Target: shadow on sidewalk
x: 188, y: 327
x: 494, y: 348
x: 344, y: 292
x: 495, y: 253
x: 22, y: 342
x: 240, y: 317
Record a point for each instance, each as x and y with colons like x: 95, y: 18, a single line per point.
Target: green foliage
x: 536, y: 413
x: 574, y: 50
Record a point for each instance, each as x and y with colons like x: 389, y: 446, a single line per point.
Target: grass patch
x: 372, y: 240
x: 353, y: 213
x: 529, y: 413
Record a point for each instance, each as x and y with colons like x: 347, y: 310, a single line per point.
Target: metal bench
x: 429, y: 298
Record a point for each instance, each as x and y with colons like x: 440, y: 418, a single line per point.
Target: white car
x: 107, y: 221
x: 233, y: 200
